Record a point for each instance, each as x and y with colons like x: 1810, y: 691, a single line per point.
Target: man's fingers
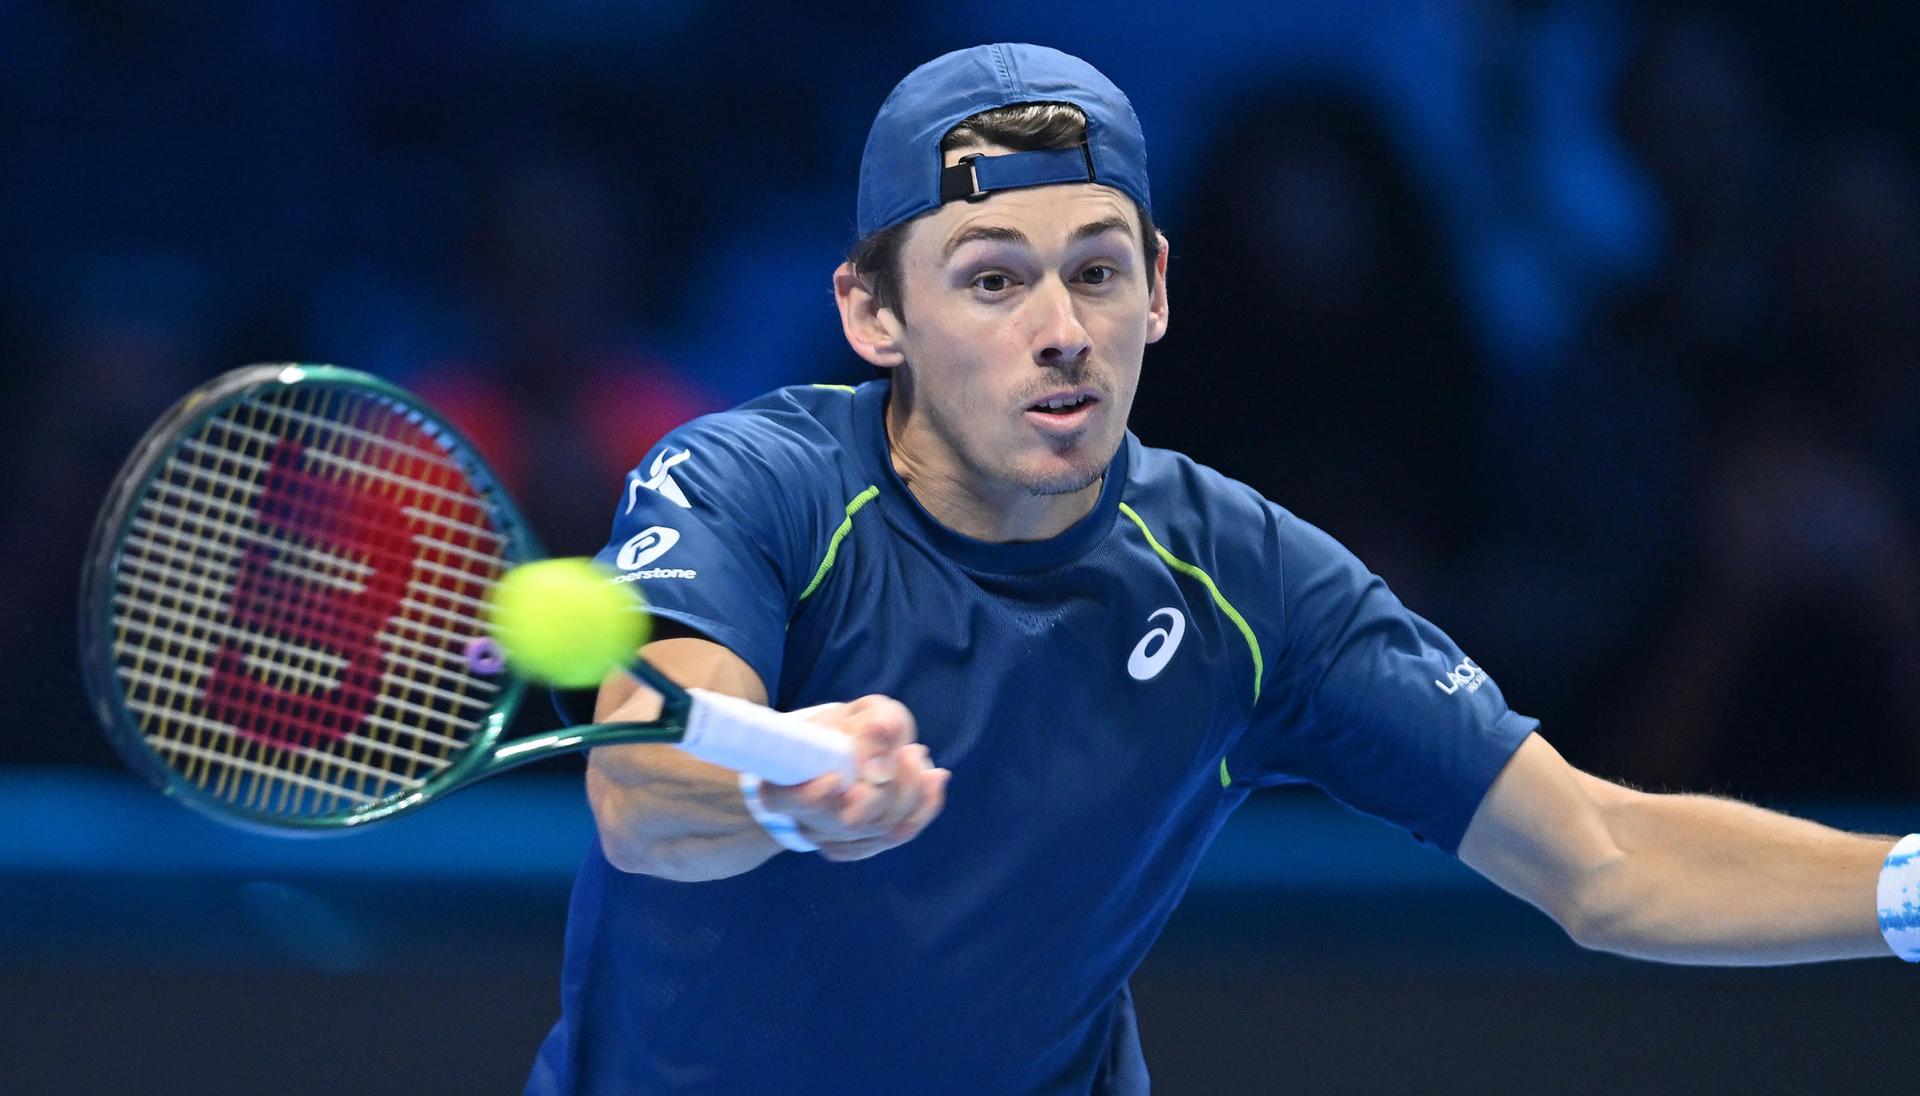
x: 930, y: 804
x: 859, y: 807
x: 880, y: 808
x: 932, y: 797
x: 906, y: 792
x: 864, y: 813
x: 828, y: 811
x: 932, y: 800
x: 892, y: 767
x: 820, y: 793
x: 879, y: 725
x: 879, y: 769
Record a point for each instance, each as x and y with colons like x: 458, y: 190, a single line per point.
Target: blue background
x: 1622, y: 292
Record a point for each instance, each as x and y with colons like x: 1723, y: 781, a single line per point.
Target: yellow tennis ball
x: 562, y: 621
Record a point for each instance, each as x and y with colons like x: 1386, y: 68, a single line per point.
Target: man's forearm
x: 663, y: 813
x: 1705, y: 880
x: 660, y: 811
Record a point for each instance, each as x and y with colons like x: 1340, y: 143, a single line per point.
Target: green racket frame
x: 482, y: 757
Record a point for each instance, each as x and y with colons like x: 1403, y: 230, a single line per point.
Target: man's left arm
x: 1676, y: 878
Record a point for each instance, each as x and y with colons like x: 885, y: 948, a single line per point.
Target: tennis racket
x: 281, y: 616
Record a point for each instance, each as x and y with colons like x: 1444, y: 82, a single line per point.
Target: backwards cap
x: 901, y: 175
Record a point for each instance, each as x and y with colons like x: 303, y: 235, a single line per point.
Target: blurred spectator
x: 1707, y: 567
x: 130, y: 340
x: 1792, y: 663
x: 565, y: 400
x: 1592, y: 459
x: 1317, y: 351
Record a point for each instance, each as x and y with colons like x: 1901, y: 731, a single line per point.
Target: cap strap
x: 976, y: 176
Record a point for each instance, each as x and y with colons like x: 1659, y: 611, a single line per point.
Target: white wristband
x: 1900, y: 898
x: 780, y: 827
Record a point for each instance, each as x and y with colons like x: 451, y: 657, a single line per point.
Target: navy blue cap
x: 901, y: 175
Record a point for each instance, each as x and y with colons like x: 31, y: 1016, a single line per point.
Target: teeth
x: 1060, y: 404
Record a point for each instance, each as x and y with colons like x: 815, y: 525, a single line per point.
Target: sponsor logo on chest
x: 1156, y: 648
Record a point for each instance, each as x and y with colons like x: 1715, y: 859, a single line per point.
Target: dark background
x: 1590, y: 325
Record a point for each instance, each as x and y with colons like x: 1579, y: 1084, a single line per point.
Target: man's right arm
x: 661, y: 812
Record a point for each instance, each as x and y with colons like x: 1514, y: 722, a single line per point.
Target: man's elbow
x: 1598, y: 908
x: 623, y: 839
x: 633, y: 842
x: 1592, y: 931
x: 640, y: 855
x: 673, y: 861
x: 627, y: 857
x: 1597, y: 913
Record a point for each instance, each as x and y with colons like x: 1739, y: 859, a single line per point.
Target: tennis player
x: 1107, y: 645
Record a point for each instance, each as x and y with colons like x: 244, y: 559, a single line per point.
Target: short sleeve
x: 706, y: 531
x: 1372, y: 703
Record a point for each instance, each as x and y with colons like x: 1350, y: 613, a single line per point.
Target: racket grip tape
x: 779, y: 746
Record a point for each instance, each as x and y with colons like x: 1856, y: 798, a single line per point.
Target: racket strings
x: 235, y: 505
x: 195, y: 563
x: 331, y: 506
x: 158, y: 686
x: 236, y: 699
x: 365, y: 462
x: 296, y: 592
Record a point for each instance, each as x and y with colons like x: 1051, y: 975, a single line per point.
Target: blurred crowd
x: 1590, y: 326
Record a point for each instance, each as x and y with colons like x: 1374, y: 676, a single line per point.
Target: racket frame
x: 481, y: 757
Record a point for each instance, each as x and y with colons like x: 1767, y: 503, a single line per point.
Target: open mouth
x: 1063, y: 405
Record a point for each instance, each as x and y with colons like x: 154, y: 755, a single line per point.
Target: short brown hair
x: 1022, y: 127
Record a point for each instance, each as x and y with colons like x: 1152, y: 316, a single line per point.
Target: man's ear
x: 874, y: 332
x: 1157, y: 300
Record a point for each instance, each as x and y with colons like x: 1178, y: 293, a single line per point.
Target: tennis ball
x: 563, y: 622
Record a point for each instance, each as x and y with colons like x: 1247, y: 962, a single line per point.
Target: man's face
x: 1026, y: 318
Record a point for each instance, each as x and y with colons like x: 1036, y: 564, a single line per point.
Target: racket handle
x: 778, y: 746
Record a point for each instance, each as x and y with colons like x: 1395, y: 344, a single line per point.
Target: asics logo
x: 1156, y: 648
x: 660, y: 479
x: 646, y: 546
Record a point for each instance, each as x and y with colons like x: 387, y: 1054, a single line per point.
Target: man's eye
x: 992, y: 283
x: 1098, y: 275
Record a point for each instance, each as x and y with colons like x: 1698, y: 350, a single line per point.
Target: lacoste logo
x: 1466, y: 675
x: 660, y: 479
x: 1144, y: 664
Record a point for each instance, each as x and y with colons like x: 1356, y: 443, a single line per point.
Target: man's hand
x: 898, y: 793
x: 662, y: 812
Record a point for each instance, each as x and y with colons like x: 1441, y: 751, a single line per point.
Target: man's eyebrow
x: 1007, y: 235
x: 1100, y: 227
x: 999, y: 233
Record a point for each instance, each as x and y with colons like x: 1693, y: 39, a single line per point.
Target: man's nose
x: 1059, y: 338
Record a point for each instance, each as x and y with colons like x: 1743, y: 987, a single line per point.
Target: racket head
x: 282, y: 596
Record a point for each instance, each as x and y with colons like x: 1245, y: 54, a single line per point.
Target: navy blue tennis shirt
x: 1104, y: 700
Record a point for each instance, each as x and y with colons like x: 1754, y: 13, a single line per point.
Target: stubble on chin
x: 1064, y: 481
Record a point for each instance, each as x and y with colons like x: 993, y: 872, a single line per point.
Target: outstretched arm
x: 1677, y: 878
